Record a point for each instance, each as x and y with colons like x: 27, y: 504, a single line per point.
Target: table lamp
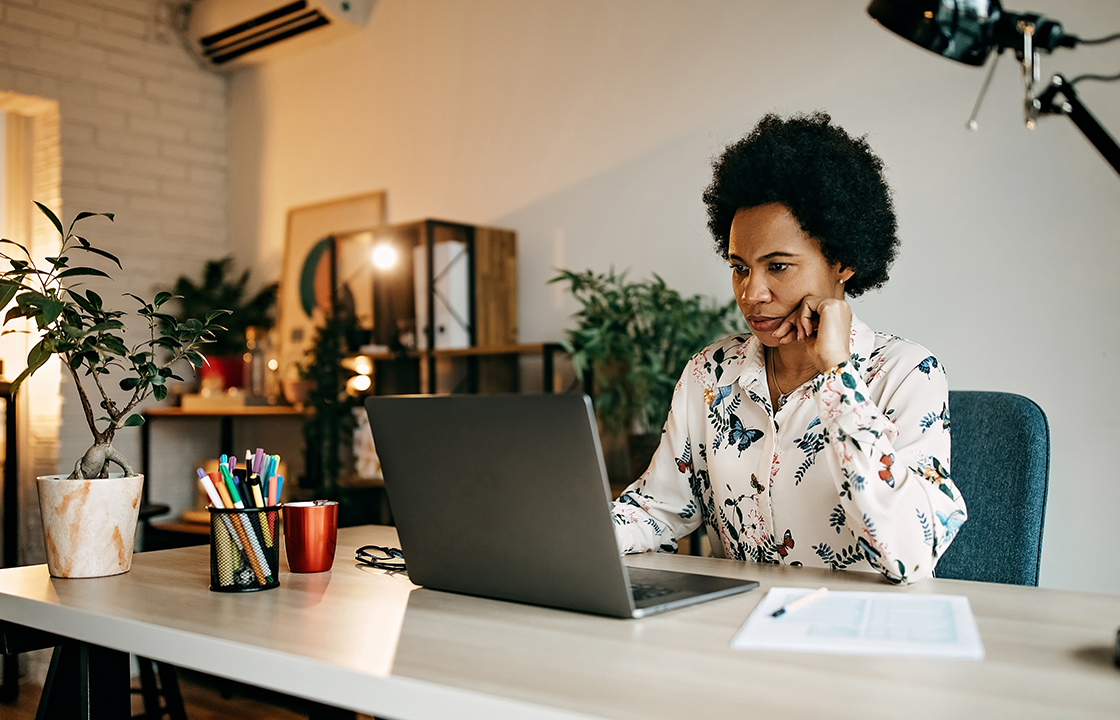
x: 969, y: 30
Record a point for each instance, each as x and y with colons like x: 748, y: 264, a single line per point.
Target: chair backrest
x: 1001, y: 465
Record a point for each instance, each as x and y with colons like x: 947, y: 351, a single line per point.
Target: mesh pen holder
x: 244, y: 549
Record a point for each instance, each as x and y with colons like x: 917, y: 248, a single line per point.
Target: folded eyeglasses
x: 382, y: 558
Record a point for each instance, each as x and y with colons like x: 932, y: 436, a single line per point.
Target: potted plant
x: 632, y: 340
x: 89, y: 517
x: 221, y: 287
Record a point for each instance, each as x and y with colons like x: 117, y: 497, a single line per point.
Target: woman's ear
x: 846, y: 275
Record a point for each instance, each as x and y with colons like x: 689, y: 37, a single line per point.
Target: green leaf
x: 6, y: 241
x: 129, y: 383
x: 161, y: 298
x: 107, y: 325
x: 8, y: 290
x: 80, y: 301
x: 50, y: 216
x: 102, y: 253
x: 94, y: 299
x: 21, y: 311
x: 160, y: 392
x: 72, y: 272
x: 134, y: 420
x: 114, y: 345
x: 82, y: 216
x: 36, y: 358
x: 51, y: 310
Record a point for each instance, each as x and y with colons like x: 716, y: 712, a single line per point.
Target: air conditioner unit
x: 231, y: 33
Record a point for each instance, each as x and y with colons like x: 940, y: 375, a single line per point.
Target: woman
x: 812, y: 440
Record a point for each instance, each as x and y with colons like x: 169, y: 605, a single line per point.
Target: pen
x: 211, y: 491
x: 800, y: 602
x: 255, y: 485
x: 231, y: 486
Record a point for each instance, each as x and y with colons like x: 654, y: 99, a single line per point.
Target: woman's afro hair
x: 831, y: 182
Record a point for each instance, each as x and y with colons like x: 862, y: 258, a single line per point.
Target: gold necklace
x: 782, y: 396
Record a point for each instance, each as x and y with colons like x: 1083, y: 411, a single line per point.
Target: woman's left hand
x: 825, y: 325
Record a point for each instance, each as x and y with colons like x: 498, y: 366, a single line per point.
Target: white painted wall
x: 588, y: 126
x: 143, y: 135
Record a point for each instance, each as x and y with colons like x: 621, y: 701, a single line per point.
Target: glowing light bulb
x: 360, y: 383
x: 384, y: 256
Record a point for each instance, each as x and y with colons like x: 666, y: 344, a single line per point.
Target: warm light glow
x: 384, y: 256
x: 273, y: 364
x: 929, y: 14
x: 360, y: 383
x: 363, y: 366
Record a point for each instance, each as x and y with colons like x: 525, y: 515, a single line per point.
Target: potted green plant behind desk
x: 329, y: 425
x: 89, y: 517
x: 631, y: 342
x: 221, y: 287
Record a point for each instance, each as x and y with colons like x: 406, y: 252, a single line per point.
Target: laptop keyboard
x: 642, y: 591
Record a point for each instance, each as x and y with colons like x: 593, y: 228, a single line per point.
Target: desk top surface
x: 371, y: 641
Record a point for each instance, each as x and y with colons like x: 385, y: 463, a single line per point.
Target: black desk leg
x: 326, y: 712
x: 86, y: 682
x: 9, y: 679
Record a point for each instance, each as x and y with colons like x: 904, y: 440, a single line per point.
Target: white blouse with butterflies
x: 851, y: 473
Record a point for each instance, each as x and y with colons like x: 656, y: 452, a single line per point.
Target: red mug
x: 310, y: 535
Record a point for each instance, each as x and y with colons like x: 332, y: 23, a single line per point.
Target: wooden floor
x: 202, y: 698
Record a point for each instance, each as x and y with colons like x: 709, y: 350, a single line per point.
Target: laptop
x: 506, y: 497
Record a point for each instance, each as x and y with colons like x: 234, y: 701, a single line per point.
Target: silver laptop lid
x: 502, y: 496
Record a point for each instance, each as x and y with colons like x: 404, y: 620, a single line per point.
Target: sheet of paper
x: 864, y: 623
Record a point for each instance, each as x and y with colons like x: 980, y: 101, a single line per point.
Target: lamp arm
x: 1047, y: 103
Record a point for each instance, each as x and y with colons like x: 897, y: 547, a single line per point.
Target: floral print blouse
x: 851, y: 473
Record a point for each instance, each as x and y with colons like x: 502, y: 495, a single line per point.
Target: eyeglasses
x: 382, y: 558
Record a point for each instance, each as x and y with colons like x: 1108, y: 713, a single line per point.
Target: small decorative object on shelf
x: 94, y: 537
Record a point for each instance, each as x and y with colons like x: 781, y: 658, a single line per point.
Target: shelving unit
x: 467, y: 370
x: 492, y: 361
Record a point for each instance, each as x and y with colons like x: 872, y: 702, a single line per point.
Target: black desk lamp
x: 969, y: 30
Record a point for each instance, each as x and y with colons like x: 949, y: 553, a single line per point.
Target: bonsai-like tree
x: 88, y: 338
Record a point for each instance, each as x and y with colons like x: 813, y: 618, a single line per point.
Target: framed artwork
x: 322, y: 251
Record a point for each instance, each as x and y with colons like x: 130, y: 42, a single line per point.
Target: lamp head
x: 967, y: 30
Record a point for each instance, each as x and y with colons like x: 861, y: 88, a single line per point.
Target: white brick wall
x: 143, y: 135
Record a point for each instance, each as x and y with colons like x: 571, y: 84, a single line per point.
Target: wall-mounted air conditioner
x: 231, y: 33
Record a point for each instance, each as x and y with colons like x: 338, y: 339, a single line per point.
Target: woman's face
x: 775, y: 265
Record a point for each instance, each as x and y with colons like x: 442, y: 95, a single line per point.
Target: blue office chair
x: 1001, y: 464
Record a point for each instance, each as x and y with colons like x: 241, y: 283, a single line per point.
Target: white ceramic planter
x: 89, y: 526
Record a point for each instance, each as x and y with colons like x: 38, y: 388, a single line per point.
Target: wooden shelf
x: 521, y: 349
x: 247, y: 411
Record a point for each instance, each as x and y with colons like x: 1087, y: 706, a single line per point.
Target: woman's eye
x: 778, y: 267
x: 739, y: 269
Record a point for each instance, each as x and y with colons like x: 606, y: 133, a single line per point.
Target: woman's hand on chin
x: 824, y: 325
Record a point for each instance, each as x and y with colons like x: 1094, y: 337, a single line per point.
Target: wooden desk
x: 370, y: 641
